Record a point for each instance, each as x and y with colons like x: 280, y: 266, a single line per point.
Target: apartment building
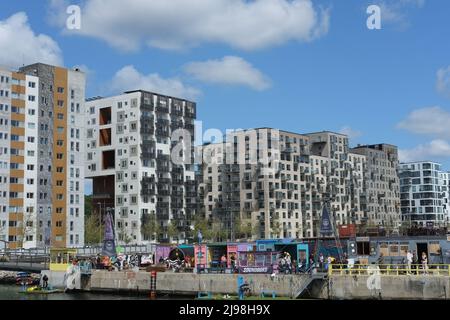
x: 275, y: 182
x: 41, y: 164
x: 381, y: 185
x: 424, y: 194
x: 337, y: 176
x: 129, y: 144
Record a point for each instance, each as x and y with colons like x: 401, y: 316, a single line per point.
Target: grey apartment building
x: 275, y: 183
x: 129, y: 140
x: 424, y: 194
x: 381, y: 184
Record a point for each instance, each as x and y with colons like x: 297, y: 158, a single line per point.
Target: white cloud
x: 436, y: 149
x: 180, y: 24
x: 443, y: 81
x: 128, y: 78
x: 351, y: 133
x: 20, y: 45
x: 229, y: 70
x: 397, y: 11
x: 433, y: 121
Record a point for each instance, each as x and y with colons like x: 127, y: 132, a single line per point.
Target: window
x: 60, y: 103
x: 60, y: 116
x: 31, y: 98
x: 60, y: 90
x: 31, y: 84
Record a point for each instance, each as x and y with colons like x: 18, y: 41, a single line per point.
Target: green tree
x: 93, y: 231
x: 172, y: 231
x: 201, y: 224
x: 150, y: 226
x: 276, y: 228
x: 87, y: 205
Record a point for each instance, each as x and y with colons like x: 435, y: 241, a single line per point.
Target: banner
x: 109, y: 246
x: 325, y: 224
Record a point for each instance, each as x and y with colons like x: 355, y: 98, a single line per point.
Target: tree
x: 201, y: 224
x: 87, y: 205
x: 93, y: 231
x: 276, y: 228
x: 218, y: 232
x: 149, y: 226
x: 172, y: 231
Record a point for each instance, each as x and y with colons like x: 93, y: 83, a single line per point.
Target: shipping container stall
x: 232, y: 250
x: 162, y: 252
x: 215, y: 253
x: 257, y: 261
x: 200, y: 255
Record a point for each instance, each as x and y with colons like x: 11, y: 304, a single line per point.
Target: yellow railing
x: 389, y: 269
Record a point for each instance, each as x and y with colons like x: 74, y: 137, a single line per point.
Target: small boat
x: 40, y: 290
x: 25, y: 278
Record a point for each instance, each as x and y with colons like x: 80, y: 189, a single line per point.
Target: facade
x: 41, y: 134
x: 424, y: 194
x: 275, y: 183
x: 129, y: 141
x: 381, y: 185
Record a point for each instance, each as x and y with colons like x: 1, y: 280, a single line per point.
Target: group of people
x: 412, y: 259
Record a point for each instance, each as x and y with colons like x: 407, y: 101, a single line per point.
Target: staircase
x: 297, y: 292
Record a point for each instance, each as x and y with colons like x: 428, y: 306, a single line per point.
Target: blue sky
x: 379, y: 85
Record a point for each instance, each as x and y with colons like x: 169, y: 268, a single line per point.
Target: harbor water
x: 12, y: 292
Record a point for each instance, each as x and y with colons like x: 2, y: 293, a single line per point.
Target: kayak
x: 39, y: 290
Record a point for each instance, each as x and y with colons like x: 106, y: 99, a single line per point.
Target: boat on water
x: 40, y: 290
x: 25, y: 278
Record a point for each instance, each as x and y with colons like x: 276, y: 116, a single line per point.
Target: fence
x: 25, y: 259
x: 21, y: 255
x: 389, y: 269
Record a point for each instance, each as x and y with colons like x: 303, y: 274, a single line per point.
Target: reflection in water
x: 12, y: 292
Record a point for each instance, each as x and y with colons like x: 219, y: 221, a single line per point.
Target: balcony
x: 147, y: 129
x: 164, y: 180
x: 177, y: 110
x: 147, y: 107
x: 162, y: 216
x: 177, y: 181
x: 163, y: 132
x: 177, y: 204
x: 192, y: 194
x: 162, y: 108
x: 176, y: 125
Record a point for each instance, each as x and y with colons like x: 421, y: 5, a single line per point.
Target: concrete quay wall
x: 337, y: 287
x: 417, y: 287
x: 188, y: 283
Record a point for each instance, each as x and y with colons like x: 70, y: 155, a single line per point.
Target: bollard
x: 153, y: 285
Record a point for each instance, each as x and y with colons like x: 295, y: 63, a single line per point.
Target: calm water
x: 11, y: 292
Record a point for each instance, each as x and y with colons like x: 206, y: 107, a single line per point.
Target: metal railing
x: 389, y: 269
x: 25, y: 258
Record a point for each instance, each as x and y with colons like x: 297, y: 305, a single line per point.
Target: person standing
x: 45, y: 281
x: 321, y: 261
x: 424, y: 262
x: 409, y: 260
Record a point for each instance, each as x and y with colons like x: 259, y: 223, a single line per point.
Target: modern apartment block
x: 129, y: 140
x: 276, y: 182
x: 381, y: 185
x: 424, y: 194
x: 41, y: 164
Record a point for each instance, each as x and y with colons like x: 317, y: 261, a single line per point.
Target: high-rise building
x: 131, y: 142
x: 381, y: 185
x: 424, y: 194
x: 268, y: 183
x: 41, y: 164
